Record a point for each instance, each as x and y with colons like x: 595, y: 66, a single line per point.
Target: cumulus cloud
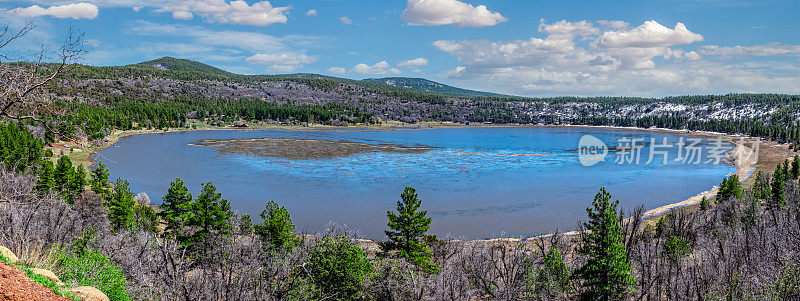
x: 284, y: 62
x: 81, y: 10
x: 311, y: 12
x: 417, y: 62
x: 346, y: 20
x: 649, y: 34
x: 450, y: 12
x: 336, y: 70
x: 380, y: 68
x: 607, y: 58
x: 234, y: 12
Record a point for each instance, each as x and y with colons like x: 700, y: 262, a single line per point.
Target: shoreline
x: 744, y: 168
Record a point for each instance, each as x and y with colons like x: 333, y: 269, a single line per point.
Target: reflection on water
x: 475, y: 182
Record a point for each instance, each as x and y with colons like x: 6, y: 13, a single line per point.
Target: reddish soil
x: 16, y: 286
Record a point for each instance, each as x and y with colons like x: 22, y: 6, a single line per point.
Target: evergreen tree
x: 77, y: 183
x: 607, y: 272
x: 778, y: 197
x: 277, y: 230
x: 209, y: 218
x: 99, y: 181
x: 63, y: 174
x: 338, y: 269
x: 406, y: 230
x: 796, y: 167
x: 45, y: 182
x: 176, y: 205
x: 120, y: 206
x: 245, y: 225
x: 553, y: 279
x: 730, y: 188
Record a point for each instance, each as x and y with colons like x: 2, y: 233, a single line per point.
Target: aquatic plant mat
x: 304, y: 148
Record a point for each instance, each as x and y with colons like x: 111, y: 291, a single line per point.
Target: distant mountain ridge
x: 430, y: 86
x: 414, y: 84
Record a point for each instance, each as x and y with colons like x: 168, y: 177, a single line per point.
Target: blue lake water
x: 477, y: 182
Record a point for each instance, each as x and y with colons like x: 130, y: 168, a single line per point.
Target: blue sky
x: 530, y: 48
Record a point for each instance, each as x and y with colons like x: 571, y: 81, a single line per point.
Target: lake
x: 475, y: 182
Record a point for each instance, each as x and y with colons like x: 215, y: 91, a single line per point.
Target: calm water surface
x: 477, y: 183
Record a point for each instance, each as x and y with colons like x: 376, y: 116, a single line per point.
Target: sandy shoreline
x: 745, y: 165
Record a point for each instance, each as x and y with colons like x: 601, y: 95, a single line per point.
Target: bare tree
x: 25, y: 72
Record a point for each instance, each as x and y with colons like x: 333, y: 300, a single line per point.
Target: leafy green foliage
x: 99, y: 181
x: 19, y: 149
x: 277, y: 230
x: 177, y: 206
x: 607, y: 272
x: 45, y: 182
x: 245, y: 225
x: 338, y: 268
x: 676, y: 248
x: 121, y: 206
x: 778, y: 199
x: 730, y: 188
x: 209, y: 218
x: 93, y: 269
x: 553, y: 279
x: 796, y: 167
x: 407, y: 228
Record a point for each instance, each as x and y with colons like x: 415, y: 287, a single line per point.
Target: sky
x: 535, y: 48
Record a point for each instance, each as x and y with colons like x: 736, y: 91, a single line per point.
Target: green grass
x: 41, y: 280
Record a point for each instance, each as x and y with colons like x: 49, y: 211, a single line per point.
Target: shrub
x: 338, y: 268
x: 87, y: 267
x: 676, y: 248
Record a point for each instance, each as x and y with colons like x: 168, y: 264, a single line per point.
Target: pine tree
x: 730, y: 188
x: 45, y: 183
x: 778, y: 197
x: 607, y: 272
x: 553, y: 279
x: 63, y: 174
x: 245, y: 225
x: 77, y: 183
x: 120, y: 206
x: 99, y: 181
x: 209, y: 218
x: 277, y: 230
x: 796, y: 167
x: 406, y: 230
x: 177, y: 205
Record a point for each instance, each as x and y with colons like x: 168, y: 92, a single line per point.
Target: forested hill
x: 428, y: 86
x: 184, y: 69
x: 167, y: 91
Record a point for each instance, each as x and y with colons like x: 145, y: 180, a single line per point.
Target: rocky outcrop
x: 47, y: 274
x: 88, y: 293
x: 5, y: 252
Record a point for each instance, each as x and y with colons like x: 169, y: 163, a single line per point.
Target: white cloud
x: 649, y: 60
x: 285, y: 62
x: 772, y: 49
x: 81, y: 10
x: 450, y: 12
x: 311, y: 12
x: 346, y: 20
x: 380, y: 68
x: 336, y: 70
x: 417, y: 62
x: 182, y: 15
x: 234, y: 12
x: 649, y: 34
